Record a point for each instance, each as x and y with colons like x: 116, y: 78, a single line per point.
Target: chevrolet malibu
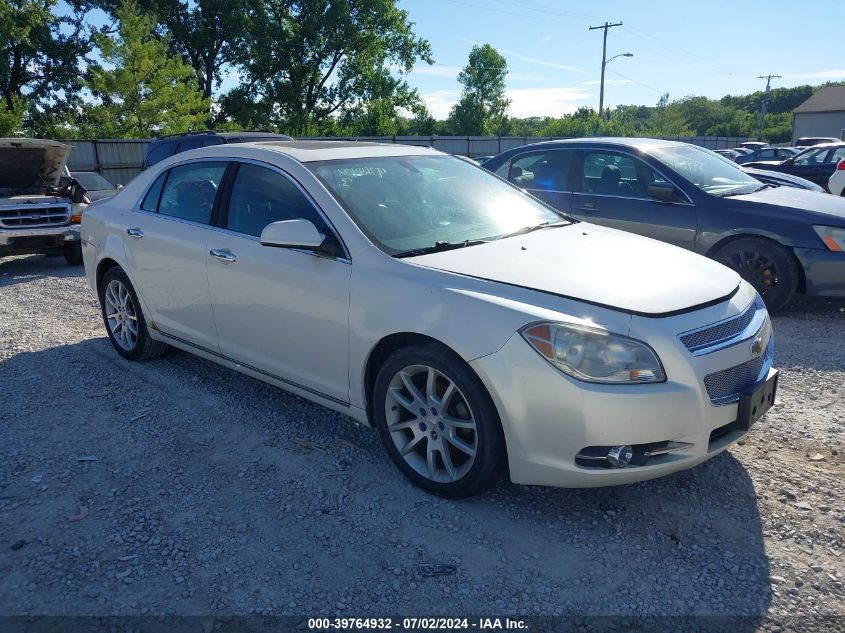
x: 476, y: 329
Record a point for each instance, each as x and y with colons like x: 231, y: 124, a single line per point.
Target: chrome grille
x: 720, y: 332
x: 31, y: 216
x: 724, y: 386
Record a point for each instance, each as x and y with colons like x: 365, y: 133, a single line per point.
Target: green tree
x: 201, y: 31
x: 482, y: 107
x: 305, y: 62
x: 39, y: 54
x: 147, y: 90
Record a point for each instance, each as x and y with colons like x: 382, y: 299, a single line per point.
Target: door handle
x: 135, y: 232
x: 225, y: 255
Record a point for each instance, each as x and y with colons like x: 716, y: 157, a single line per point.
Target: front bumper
x: 548, y: 417
x: 824, y: 271
x: 39, y: 240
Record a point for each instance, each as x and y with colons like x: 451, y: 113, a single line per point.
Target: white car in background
x: 836, y: 184
x: 477, y: 329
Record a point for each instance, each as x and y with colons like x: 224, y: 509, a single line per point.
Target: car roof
x: 311, y: 151
x: 622, y: 141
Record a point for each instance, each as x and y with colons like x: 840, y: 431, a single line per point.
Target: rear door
x: 166, y: 243
x: 611, y: 189
x: 546, y: 174
x: 281, y: 311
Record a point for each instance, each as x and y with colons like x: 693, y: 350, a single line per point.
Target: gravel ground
x: 180, y: 487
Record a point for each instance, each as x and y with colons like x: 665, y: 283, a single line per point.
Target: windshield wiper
x: 536, y: 227
x: 439, y: 247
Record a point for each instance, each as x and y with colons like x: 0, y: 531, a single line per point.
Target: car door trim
x: 252, y: 368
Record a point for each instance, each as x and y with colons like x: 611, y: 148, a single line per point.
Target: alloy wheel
x: 755, y: 268
x: 431, y: 423
x: 121, y: 315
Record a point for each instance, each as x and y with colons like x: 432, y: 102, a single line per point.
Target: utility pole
x: 765, y: 101
x: 604, y: 27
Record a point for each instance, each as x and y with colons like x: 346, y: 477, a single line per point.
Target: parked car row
x: 481, y: 324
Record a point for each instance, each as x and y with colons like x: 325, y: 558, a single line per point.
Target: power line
x: 605, y: 27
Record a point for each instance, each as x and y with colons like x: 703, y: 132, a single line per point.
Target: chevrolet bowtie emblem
x: 757, y: 346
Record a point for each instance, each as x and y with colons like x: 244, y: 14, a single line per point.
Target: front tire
x: 437, y: 422
x: 766, y: 265
x: 74, y: 257
x: 124, y: 320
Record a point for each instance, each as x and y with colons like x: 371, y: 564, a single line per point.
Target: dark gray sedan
x: 782, y: 240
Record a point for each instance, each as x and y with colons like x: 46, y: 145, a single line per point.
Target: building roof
x: 828, y: 99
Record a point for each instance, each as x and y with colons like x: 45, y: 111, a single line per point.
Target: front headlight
x: 833, y: 237
x: 594, y: 355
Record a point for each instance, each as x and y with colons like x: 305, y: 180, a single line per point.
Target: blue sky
x: 681, y: 47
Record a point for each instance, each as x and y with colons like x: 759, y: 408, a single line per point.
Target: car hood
x: 823, y: 206
x: 31, y: 162
x: 596, y: 265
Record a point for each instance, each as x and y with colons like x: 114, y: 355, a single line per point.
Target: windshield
x: 404, y: 203
x: 706, y: 170
x: 92, y: 181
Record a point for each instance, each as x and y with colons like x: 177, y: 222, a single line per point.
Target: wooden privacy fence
x: 120, y: 160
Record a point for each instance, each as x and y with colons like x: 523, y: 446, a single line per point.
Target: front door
x: 284, y: 312
x: 611, y: 189
x: 166, y: 245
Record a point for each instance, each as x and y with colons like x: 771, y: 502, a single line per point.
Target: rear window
x: 159, y: 152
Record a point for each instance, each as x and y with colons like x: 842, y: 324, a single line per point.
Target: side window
x: 150, y: 202
x: 812, y: 157
x: 543, y: 171
x: 838, y: 154
x: 611, y: 174
x: 766, y: 154
x: 261, y: 196
x: 159, y: 153
x: 190, y: 190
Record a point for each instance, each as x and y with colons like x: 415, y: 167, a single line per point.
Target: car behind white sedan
x: 479, y: 331
x: 836, y: 184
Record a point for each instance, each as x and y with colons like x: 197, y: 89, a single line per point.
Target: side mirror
x: 297, y: 233
x: 664, y: 192
x: 118, y: 187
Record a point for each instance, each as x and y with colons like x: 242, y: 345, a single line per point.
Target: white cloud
x: 607, y: 82
x: 437, y: 70
x: 547, y: 38
x: 540, y: 62
x: 525, y: 102
x: 533, y: 60
x: 440, y: 102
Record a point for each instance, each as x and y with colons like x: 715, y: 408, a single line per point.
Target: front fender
x: 473, y: 317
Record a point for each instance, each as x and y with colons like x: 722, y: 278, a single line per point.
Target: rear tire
x: 768, y: 266
x: 124, y: 320
x: 437, y: 422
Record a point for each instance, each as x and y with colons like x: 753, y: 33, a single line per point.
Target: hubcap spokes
x: 756, y: 269
x: 431, y: 423
x: 120, y: 315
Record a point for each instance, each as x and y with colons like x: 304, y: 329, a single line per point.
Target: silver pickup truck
x: 38, y: 211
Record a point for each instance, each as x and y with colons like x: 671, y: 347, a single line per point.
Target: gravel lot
x: 180, y: 487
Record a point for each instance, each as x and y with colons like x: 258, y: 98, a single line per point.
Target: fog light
x: 620, y: 456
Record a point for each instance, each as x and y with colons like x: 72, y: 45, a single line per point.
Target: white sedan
x: 478, y: 330
x: 836, y: 184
